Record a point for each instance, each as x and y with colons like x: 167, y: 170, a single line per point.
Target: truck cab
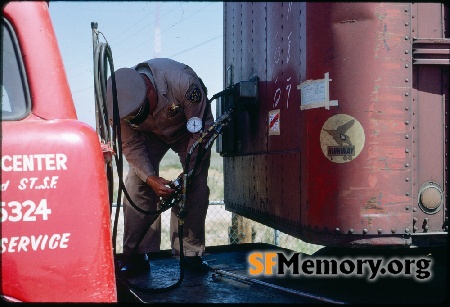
x: 55, y: 219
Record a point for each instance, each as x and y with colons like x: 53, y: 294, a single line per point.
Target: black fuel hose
x: 156, y: 290
x: 102, y: 61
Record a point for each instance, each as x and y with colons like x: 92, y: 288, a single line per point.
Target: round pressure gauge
x: 194, y: 124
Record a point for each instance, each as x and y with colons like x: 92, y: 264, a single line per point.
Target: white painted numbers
x: 278, y: 93
x: 281, y: 55
x: 26, y: 211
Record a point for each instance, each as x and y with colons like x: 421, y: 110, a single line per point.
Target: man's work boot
x: 137, y: 263
x: 195, y: 263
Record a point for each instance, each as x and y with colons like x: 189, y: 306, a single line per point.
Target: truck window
x: 13, y: 91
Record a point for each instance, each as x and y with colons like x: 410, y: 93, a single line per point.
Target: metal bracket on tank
x: 243, y: 97
x: 247, y: 94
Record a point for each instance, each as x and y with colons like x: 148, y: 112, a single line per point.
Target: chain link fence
x: 220, y: 224
x: 220, y: 230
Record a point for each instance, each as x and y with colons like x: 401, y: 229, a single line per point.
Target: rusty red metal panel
x: 429, y: 106
x: 343, y: 169
x: 364, y: 55
x: 364, y: 195
x: 283, y: 74
x: 269, y: 191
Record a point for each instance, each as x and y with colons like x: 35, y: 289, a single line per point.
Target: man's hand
x: 158, y: 184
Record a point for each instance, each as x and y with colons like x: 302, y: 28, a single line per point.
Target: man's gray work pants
x: 144, y: 197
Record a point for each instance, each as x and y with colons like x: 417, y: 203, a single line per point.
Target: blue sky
x: 190, y: 32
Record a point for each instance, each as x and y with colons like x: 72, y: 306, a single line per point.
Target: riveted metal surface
x: 253, y: 51
x: 284, y: 72
x: 370, y: 83
x: 267, y: 185
x: 429, y: 105
x: 365, y: 182
x: 246, y: 50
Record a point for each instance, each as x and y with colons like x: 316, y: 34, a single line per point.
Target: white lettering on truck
x: 40, y: 242
x: 37, y: 162
x: 34, y: 183
x: 13, y: 211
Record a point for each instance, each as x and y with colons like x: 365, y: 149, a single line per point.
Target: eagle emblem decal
x: 342, y: 138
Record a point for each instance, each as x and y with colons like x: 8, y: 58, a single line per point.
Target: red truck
x: 55, y: 229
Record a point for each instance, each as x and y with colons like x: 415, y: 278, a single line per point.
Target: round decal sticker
x: 342, y: 138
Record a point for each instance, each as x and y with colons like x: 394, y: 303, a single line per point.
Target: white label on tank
x: 316, y: 94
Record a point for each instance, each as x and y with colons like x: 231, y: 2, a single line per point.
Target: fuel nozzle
x: 182, y: 213
x: 244, y: 94
x: 176, y: 184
